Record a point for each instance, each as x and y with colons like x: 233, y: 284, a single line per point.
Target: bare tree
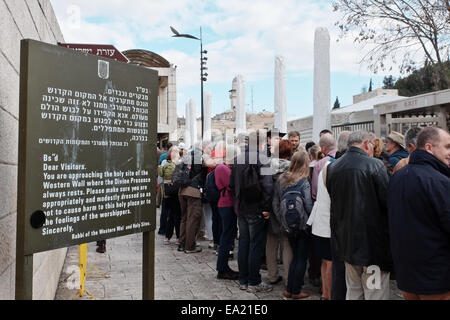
x: 404, y: 32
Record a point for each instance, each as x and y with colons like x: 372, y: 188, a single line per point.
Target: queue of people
x: 357, y: 210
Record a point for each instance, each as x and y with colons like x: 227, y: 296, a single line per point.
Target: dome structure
x: 146, y: 58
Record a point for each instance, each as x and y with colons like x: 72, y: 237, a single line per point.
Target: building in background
x: 226, y: 122
x: 382, y: 111
x: 167, y: 98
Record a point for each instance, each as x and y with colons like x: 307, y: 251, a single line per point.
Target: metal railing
x: 366, y: 126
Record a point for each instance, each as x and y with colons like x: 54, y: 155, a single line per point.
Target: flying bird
x: 177, y: 34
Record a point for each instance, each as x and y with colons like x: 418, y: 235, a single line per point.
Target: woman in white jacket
x: 321, y: 230
x: 319, y: 220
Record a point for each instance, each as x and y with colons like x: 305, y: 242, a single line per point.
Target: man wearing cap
x: 395, y: 147
x: 182, y: 148
x: 410, y: 146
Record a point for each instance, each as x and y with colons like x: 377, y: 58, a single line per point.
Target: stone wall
x: 20, y: 19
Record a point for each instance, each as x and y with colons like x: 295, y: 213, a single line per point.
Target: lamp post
x: 203, y: 68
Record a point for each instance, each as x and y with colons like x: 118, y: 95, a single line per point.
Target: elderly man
x: 395, y: 147
x: 357, y: 184
x: 410, y: 146
x: 419, y: 219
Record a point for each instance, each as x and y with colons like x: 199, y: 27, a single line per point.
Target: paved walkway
x: 178, y: 275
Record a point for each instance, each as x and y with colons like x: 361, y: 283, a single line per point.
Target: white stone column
x: 187, y: 127
x: 233, y: 94
x: 322, y: 112
x: 193, y: 120
x: 172, y: 102
x: 241, y: 124
x: 207, y: 106
x: 280, y: 107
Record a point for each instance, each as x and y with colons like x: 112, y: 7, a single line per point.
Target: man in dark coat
x: 357, y: 184
x: 253, y: 209
x: 419, y: 218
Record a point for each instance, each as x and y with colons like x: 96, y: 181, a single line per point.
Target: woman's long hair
x: 298, y: 169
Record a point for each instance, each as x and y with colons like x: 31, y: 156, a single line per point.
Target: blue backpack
x: 211, y: 192
x: 292, y: 210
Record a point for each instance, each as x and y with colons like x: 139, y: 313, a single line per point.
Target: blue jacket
x: 163, y: 157
x: 397, y: 156
x: 419, y: 223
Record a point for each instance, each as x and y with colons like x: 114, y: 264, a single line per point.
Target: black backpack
x: 211, y: 192
x: 181, y: 176
x: 292, y: 210
x: 250, y: 189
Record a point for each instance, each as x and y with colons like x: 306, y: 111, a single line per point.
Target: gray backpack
x: 292, y: 210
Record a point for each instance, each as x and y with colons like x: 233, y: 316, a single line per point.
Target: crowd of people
x: 354, y: 213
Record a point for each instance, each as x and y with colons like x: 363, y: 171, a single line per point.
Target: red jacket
x: 222, y: 176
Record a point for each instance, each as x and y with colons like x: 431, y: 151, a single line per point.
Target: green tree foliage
x: 337, y: 104
x: 388, y: 82
x: 401, y: 33
x: 427, y: 79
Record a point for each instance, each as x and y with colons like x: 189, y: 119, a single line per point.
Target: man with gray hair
x: 357, y: 185
x: 410, y: 146
x: 342, y: 143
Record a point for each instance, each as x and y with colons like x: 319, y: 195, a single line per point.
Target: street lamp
x: 203, y: 68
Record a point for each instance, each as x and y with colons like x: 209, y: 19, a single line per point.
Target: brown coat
x: 402, y: 163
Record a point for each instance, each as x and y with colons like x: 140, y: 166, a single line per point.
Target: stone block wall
x: 20, y: 19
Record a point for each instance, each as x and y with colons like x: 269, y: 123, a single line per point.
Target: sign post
x: 87, y: 160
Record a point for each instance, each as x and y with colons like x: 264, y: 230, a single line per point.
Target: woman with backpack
x: 275, y: 238
x: 228, y: 217
x: 292, y: 205
x: 170, y: 194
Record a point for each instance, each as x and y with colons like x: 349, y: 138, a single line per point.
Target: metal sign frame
x: 44, y: 65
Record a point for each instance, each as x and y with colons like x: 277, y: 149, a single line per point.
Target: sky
x: 241, y: 37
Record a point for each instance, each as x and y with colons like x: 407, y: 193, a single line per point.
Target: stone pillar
x: 187, y: 127
x: 163, y: 106
x: 322, y: 112
x: 172, y: 102
x: 241, y: 124
x: 280, y: 95
x: 233, y: 94
x: 207, y: 105
x: 193, y: 121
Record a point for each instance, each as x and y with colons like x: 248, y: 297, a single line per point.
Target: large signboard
x: 87, y: 160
